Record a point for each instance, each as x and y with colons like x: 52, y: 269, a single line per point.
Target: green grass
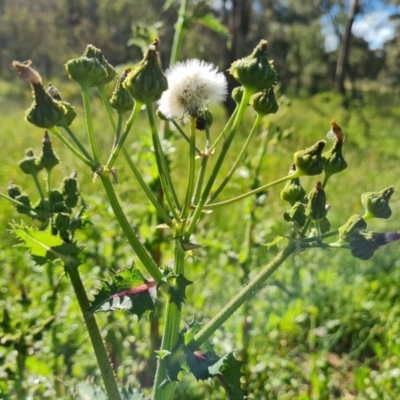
x: 326, y: 325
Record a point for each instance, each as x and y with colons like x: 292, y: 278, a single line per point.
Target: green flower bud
x: 297, y: 214
x: 316, y: 206
x: 363, y: 243
x: 204, y: 120
x: 57, y: 201
x: 14, y: 190
x: 24, y: 199
x: 29, y: 164
x: 354, y: 222
x: 237, y: 94
x: 255, y: 71
x: 92, y: 69
x: 45, y: 112
x: 376, y: 204
x: 324, y: 225
x: 264, y: 102
x: 70, y: 191
x: 333, y: 160
x: 47, y: 159
x: 293, y: 191
x: 70, y: 114
x: 121, y: 100
x: 147, y: 81
x: 309, y: 161
x: 61, y: 222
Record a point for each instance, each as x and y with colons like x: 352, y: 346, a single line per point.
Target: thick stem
x: 244, y: 294
x: 171, y: 332
x: 99, y: 348
x: 135, y: 243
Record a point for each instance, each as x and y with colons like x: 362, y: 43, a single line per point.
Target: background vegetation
x: 327, y: 325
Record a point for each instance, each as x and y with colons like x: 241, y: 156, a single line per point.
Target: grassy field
x: 326, y: 326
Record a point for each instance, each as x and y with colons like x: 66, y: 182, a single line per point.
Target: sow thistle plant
x: 181, y: 97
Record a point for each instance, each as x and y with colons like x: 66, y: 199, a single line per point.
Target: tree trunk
x: 344, y: 49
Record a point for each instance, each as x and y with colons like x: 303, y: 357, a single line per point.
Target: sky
x: 375, y: 27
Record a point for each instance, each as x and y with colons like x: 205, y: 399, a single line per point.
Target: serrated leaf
x: 177, y: 291
x: 128, y: 290
x: 132, y: 394
x: 44, y: 246
x: 227, y: 369
x: 205, y: 364
x: 213, y: 23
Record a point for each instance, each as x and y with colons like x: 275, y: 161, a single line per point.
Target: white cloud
x: 375, y: 28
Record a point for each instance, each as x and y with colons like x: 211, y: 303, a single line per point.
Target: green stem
x: 135, y: 243
x: 203, y: 198
x: 162, y: 166
x: 183, y: 134
x: 41, y: 194
x: 106, y: 103
x: 179, y: 31
x: 78, y: 143
x: 171, y: 332
x: 118, y: 131
x: 93, y: 165
x: 99, y: 348
x: 89, y: 125
x: 48, y: 188
x: 191, y: 178
x: 200, y: 178
x: 244, y: 294
x: 120, y: 143
x: 223, y: 132
x: 244, y: 195
x: 146, y: 189
x: 239, y: 158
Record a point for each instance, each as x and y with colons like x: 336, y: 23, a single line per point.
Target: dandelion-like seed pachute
x: 192, y: 85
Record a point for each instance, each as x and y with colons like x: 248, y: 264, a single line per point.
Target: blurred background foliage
x: 326, y: 326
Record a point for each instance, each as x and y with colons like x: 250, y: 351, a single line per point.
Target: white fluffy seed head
x: 192, y: 84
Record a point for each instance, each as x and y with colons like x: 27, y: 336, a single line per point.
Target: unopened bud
x: 92, y: 69
x: 29, y: 164
x: 70, y: 191
x: 13, y: 190
x: 47, y: 159
x: 363, y: 243
x: 147, y: 81
x: 255, y: 71
x: 24, y: 199
x: 354, y: 222
x: 204, y: 120
x: 237, y: 94
x: 293, y: 191
x: 376, y: 204
x: 70, y: 113
x: 333, y: 160
x: 57, y: 201
x: 121, y: 100
x: 316, y: 206
x: 297, y: 214
x: 264, y: 102
x: 309, y: 161
x: 61, y: 222
x: 45, y: 112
